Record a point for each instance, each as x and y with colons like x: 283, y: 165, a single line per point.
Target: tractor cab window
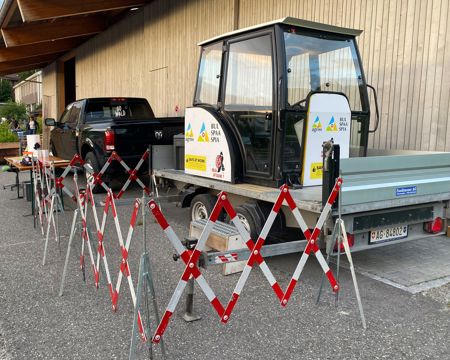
x: 208, y: 80
x: 321, y: 64
x: 249, y: 98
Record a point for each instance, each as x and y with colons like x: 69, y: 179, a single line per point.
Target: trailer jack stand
x: 189, y: 314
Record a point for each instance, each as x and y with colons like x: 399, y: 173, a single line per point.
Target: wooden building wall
x: 153, y: 53
x: 405, y: 48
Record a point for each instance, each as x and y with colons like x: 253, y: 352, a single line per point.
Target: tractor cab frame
x: 257, y: 83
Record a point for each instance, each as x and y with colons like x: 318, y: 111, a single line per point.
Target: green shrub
x: 39, y: 125
x: 14, y: 111
x: 6, y: 135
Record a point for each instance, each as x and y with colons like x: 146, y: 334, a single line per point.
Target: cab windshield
x: 316, y: 63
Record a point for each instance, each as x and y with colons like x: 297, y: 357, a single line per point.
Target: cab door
x: 70, y: 131
x: 248, y: 99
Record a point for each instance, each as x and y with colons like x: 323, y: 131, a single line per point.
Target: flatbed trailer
x: 378, y: 193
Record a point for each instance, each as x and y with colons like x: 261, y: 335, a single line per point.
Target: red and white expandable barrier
x: 190, y: 258
x: 133, y: 174
x: 97, y: 177
x: 312, y: 241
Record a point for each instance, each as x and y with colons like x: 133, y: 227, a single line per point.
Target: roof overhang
x: 306, y: 24
x: 34, y: 33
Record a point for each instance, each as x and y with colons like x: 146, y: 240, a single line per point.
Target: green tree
x: 23, y: 75
x: 14, y: 111
x: 5, y: 90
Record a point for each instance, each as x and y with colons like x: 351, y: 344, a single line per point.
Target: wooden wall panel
x: 405, y: 48
x: 152, y: 53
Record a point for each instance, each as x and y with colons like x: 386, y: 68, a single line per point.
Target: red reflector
x: 351, y: 242
x: 433, y: 227
x: 109, y: 140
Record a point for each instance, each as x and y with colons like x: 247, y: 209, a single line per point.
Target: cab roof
x: 289, y: 21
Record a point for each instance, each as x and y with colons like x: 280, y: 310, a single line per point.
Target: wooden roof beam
x: 27, y: 51
x: 35, y: 10
x: 32, y: 33
x: 14, y: 70
x: 32, y: 62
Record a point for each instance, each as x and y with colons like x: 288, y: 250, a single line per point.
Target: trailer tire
x: 202, y: 206
x: 250, y: 217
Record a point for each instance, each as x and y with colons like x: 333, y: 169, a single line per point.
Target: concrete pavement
x: 37, y: 324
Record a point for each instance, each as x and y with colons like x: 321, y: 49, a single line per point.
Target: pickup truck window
x: 65, y: 115
x: 74, y: 115
x: 102, y: 109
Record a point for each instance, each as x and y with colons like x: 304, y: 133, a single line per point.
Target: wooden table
x: 15, y: 164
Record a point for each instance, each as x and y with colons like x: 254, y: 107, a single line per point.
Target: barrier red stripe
x: 158, y: 215
x: 217, y: 305
x: 162, y: 327
x: 288, y: 292
x: 332, y: 280
x: 218, y: 207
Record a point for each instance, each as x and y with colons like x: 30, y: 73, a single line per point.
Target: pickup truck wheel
x: 91, y: 162
x: 53, y: 150
x: 202, y: 206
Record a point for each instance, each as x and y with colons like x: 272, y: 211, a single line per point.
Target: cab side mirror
x: 50, y: 122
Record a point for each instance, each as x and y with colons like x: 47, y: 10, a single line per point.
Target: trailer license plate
x: 392, y: 233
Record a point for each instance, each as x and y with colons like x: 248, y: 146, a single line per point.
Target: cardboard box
x: 448, y: 231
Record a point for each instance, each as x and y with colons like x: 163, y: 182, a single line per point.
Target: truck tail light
x: 109, y: 140
x: 434, y: 226
x: 351, y: 242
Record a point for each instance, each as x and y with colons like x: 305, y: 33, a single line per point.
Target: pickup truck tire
x: 202, y: 206
x: 92, y: 162
x: 53, y: 149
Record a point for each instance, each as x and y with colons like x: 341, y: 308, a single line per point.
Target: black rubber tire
x: 252, y: 217
x: 207, y: 202
x: 53, y: 149
x: 91, y: 160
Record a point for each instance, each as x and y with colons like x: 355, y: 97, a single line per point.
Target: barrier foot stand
x: 190, y: 315
x: 145, y: 276
x: 329, y: 249
x: 73, y: 231
x: 352, y: 270
x: 52, y: 222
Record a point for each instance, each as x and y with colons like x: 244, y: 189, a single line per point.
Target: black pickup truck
x: 96, y: 127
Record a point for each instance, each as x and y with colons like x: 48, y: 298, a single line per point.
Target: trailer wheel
x: 202, y: 206
x: 249, y: 216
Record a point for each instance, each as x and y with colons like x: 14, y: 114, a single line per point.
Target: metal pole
x: 352, y: 270
x: 48, y: 230
x: 136, y: 308
x: 338, y: 262
x: 329, y: 250
x: 73, y: 230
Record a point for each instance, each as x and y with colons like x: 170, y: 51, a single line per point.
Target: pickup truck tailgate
x: 134, y: 137
x: 392, y: 181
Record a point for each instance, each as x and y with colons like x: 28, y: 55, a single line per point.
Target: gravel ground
x: 440, y: 294
x: 35, y: 323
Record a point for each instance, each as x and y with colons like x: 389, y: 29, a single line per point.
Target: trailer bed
x: 308, y: 198
x: 370, y: 184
